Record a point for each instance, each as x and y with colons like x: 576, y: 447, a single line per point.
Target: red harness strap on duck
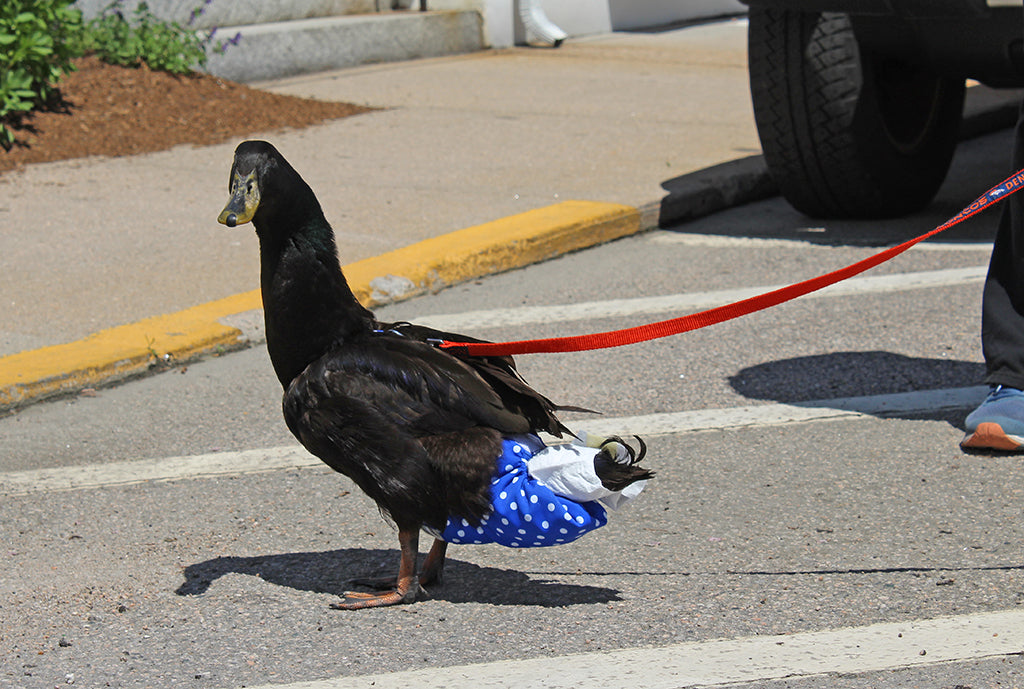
x: 719, y: 314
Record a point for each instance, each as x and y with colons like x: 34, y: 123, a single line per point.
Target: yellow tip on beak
x: 245, y: 199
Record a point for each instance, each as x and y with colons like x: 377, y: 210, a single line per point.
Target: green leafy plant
x: 38, y: 39
x: 131, y: 38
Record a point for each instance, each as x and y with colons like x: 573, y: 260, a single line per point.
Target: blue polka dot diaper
x: 525, y: 513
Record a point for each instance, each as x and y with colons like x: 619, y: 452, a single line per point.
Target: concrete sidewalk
x: 496, y: 142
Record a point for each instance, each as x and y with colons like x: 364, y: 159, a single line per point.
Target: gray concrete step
x: 279, y: 39
x: 207, y: 14
x: 278, y: 49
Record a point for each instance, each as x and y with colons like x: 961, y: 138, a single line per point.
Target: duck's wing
x: 397, y: 387
x: 500, y: 374
x: 442, y: 392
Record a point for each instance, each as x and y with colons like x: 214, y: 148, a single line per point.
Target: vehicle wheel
x: 846, y: 133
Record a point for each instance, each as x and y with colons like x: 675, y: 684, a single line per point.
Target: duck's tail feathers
x: 617, y: 463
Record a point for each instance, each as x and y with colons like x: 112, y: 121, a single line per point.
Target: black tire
x: 847, y: 134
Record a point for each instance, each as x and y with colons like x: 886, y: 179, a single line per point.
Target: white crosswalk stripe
x: 288, y: 457
x: 729, y: 662
x: 691, y: 301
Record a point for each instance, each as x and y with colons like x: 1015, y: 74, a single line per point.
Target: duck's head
x: 259, y: 177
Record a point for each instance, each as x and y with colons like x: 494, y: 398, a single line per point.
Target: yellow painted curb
x: 129, y: 350
x: 493, y: 247
x: 118, y: 353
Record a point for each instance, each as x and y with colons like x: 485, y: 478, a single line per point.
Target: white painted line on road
x: 719, y: 241
x: 691, y: 301
x: 719, y: 662
x: 981, y: 247
x: 60, y: 479
x: 723, y: 241
x: 781, y: 414
x: 255, y: 461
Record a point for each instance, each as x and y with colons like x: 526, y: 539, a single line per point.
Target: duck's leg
x: 433, y: 566
x: 431, y: 572
x: 408, y: 586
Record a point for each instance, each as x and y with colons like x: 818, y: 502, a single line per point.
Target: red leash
x: 702, y: 319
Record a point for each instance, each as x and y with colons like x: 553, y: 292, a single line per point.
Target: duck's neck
x: 308, y: 305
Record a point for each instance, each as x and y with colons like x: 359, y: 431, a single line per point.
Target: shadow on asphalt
x: 739, y: 199
x: 332, y: 572
x: 742, y: 205
x: 854, y: 374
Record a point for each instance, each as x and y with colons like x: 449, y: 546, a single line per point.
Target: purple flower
x: 198, y: 11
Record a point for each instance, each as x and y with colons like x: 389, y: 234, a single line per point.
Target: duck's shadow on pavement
x: 332, y: 571
x: 820, y: 379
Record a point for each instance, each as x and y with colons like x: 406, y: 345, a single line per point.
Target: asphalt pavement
x: 813, y: 524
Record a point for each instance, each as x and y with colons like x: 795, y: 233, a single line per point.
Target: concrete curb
x: 156, y: 343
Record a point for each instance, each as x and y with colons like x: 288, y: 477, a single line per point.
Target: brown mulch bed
x: 111, y: 111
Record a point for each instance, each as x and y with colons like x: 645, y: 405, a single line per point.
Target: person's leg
x: 1002, y: 307
x: 999, y: 422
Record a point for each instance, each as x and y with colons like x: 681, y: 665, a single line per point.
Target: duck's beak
x: 245, y: 199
